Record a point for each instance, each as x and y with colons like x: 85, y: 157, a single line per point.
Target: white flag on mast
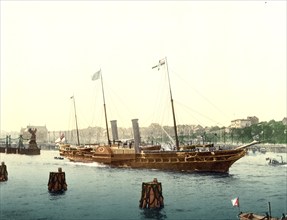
x: 160, y: 63
x: 96, y: 75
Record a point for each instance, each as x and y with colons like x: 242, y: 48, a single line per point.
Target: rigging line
x: 181, y: 118
x: 100, y: 118
x: 162, y: 101
x: 200, y: 94
x: 199, y: 113
x: 167, y: 134
x: 162, y: 109
x: 87, y: 119
x: 96, y: 104
x: 164, y: 96
x: 118, y: 104
x: 72, y: 117
x: 177, y: 115
x: 194, y: 118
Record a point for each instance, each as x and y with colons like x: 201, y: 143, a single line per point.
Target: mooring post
x: 57, y: 181
x: 3, y: 172
x: 151, y: 196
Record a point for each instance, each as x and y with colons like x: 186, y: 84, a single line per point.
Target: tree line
x: 272, y: 132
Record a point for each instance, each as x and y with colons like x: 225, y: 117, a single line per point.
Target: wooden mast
x: 106, y: 119
x: 78, y: 139
x: 162, y: 62
x: 172, y: 107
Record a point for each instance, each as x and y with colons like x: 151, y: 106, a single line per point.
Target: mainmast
x: 162, y: 62
x: 106, y: 118
x: 78, y: 139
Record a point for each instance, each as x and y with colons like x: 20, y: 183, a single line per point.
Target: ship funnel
x: 114, y: 130
x: 136, y: 131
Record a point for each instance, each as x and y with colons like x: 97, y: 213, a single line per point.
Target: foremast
x: 96, y: 76
x: 78, y: 138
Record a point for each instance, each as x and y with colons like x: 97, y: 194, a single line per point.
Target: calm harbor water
x: 99, y: 192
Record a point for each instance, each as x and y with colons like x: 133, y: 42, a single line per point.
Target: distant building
x: 253, y: 120
x: 41, y: 134
x: 240, y: 123
x: 284, y: 121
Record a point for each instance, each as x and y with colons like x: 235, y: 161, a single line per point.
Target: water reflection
x: 56, y: 195
x: 153, y: 214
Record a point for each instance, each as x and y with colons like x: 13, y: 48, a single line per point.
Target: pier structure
x: 16, y: 145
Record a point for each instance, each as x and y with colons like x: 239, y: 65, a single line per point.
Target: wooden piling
x: 151, y: 196
x: 3, y: 172
x: 57, y: 181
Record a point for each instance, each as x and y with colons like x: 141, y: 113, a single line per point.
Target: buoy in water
x: 57, y: 181
x: 151, y: 196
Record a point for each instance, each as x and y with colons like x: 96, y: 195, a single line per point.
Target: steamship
x: 154, y: 157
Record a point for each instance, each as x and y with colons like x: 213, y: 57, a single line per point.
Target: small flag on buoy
x: 235, y: 201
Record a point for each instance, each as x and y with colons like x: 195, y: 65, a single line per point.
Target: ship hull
x: 222, y: 167
x: 217, y: 161
x: 190, y: 162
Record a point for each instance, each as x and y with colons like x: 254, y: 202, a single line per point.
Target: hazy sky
x: 226, y: 59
